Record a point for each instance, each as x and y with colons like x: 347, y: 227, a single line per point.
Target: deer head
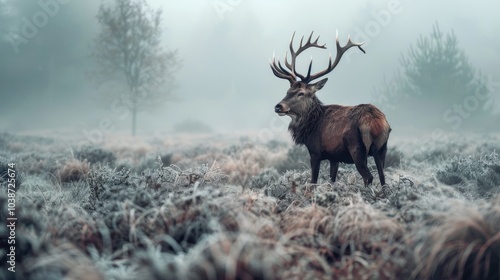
x: 301, y: 96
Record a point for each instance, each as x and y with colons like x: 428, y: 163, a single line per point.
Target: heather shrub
x: 94, y: 154
x: 276, y: 145
x: 151, y: 162
x: 394, y: 157
x: 288, y: 182
x: 265, y: 178
x: 297, y: 158
x: 477, y: 175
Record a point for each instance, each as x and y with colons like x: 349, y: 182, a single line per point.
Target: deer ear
x: 319, y: 85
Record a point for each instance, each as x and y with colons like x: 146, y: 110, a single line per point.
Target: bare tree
x: 128, y: 51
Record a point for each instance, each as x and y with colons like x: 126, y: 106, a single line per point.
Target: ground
x: 218, y: 207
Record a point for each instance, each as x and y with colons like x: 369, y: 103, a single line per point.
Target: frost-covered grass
x: 218, y: 208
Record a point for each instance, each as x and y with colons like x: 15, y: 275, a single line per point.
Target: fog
x: 225, y: 45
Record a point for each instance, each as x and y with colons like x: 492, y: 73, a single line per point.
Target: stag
x: 336, y: 133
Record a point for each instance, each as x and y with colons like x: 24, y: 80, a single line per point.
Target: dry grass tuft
x: 361, y: 227
x: 72, y: 170
x: 236, y: 257
x: 393, y: 263
x: 126, y: 147
x: 314, y: 219
x: 463, y: 243
x: 63, y: 261
x: 246, y: 163
x: 74, y: 225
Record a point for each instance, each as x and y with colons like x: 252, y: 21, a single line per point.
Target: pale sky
x: 225, y: 46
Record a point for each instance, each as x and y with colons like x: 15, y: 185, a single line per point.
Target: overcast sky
x: 225, y: 46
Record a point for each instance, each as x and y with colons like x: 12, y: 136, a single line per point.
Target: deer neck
x: 302, y: 127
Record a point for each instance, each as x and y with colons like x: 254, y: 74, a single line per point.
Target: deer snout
x: 281, y: 109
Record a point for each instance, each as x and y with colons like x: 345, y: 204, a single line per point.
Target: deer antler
x: 340, y: 52
x: 291, y: 74
x: 281, y: 72
x: 294, y: 54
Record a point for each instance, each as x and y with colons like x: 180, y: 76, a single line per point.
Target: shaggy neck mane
x: 302, y: 128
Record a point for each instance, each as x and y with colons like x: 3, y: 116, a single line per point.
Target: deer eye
x: 300, y: 94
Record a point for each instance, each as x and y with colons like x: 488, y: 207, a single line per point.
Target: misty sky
x: 225, y: 46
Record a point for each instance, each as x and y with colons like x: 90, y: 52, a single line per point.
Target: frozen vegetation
x: 184, y: 208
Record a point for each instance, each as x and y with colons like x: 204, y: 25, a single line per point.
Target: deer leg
x: 315, y: 164
x: 382, y: 153
x: 377, y: 156
x: 334, y: 167
x: 360, y: 160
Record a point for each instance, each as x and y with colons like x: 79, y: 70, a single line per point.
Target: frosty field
x: 219, y: 207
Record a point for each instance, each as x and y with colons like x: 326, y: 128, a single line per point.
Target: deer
x: 347, y: 134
